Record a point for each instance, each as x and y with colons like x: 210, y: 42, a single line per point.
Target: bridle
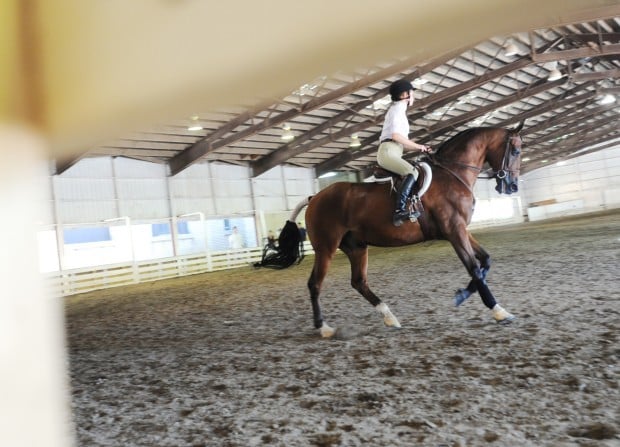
x: 510, y: 152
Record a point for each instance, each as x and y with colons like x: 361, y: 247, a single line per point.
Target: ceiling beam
x: 576, y: 53
x: 430, y: 102
x: 448, y: 95
x: 295, y: 148
x: 203, y: 147
x: 596, y: 75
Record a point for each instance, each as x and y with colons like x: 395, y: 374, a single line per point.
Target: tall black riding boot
x: 401, y: 199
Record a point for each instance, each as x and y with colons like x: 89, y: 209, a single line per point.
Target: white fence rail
x: 71, y: 282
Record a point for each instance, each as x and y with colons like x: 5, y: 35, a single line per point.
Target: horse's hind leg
x: 322, y: 260
x: 358, y: 257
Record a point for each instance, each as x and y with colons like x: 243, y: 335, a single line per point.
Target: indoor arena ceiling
x: 563, y: 81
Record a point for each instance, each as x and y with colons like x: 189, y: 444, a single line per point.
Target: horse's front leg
x: 485, y: 264
x: 464, y: 247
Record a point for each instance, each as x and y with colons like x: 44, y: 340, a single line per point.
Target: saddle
x: 414, y: 204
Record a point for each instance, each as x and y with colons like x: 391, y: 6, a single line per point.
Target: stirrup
x: 399, y: 217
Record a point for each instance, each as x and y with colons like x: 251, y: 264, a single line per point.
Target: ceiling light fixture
x: 554, y: 74
x: 195, y: 126
x: 419, y: 82
x: 287, y: 134
x: 607, y: 99
x: 355, y: 141
x: 511, y: 50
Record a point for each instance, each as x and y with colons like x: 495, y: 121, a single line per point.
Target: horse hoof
x: 509, y: 319
x: 326, y: 331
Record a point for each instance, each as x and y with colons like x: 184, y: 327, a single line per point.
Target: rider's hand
x: 426, y: 149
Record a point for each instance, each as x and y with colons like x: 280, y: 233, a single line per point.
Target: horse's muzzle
x: 506, y: 186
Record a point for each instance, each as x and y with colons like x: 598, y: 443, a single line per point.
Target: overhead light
x: 554, y: 74
x: 607, y: 99
x: 382, y: 103
x: 419, y: 82
x: 287, y: 134
x: 328, y: 174
x: 511, y: 49
x: 195, y: 126
x: 355, y: 141
x: 525, y: 159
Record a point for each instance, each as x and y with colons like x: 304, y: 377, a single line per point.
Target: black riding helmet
x: 397, y: 87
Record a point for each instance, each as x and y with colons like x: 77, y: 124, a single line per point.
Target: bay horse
x: 352, y: 216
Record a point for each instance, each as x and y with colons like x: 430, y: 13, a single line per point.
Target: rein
x: 435, y: 160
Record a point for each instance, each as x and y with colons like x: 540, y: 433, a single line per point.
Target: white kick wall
x: 152, y: 226
x: 107, y: 211
x: 584, y: 184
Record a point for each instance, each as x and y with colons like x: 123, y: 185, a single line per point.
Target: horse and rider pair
x: 352, y: 216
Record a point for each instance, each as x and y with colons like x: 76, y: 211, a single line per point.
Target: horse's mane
x: 457, y: 140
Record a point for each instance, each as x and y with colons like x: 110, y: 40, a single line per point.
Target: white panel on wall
x: 144, y: 209
x: 198, y: 170
x: 128, y: 168
x: 579, y: 183
x: 96, y: 167
x: 191, y: 205
x: 227, y: 206
x: 190, y: 187
x: 146, y: 188
x: 273, y: 173
x: 269, y: 204
x: 268, y: 187
x: 227, y: 187
x: 84, y: 189
x: 563, y: 170
x: 86, y: 212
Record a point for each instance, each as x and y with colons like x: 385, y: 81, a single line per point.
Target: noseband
x: 511, y: 151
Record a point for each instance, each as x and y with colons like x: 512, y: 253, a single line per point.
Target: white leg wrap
x: 326, y: 331
x: 388, y: 317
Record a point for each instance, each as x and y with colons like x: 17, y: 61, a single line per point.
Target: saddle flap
x: 381, y: 174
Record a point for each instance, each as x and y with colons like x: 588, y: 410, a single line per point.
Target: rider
x: 394, y: 140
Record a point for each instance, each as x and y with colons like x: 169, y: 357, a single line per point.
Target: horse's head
x: 507, y: 176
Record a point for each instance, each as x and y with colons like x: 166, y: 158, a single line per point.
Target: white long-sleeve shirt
x: 395, y: 121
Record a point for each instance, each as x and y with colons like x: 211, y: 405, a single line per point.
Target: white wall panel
x: 194, y: 205
x: 580, y: 183
x: 96, y: 167
x: 128, y: 168
x: 84, y: 189
x: 270, y: 204
x: 268, y: 187
x: 190, y: 187
x: 144, y: 209
x: 233, y: 205
x: 86, y: 211
x: 148, y: 188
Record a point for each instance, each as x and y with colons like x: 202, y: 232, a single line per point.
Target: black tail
x: 287, y: 252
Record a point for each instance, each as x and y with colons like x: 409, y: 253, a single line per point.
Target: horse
x: 352, y: 216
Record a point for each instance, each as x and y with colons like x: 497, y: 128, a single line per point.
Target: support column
x: 35, y: 408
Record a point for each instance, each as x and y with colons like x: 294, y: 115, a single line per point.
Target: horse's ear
x: 519, y: 127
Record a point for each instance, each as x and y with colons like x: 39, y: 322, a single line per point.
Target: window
x: 86, y: 234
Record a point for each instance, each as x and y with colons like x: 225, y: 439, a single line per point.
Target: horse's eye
x: 515, y: 151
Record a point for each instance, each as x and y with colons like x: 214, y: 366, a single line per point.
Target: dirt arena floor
x: 231, y: 358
